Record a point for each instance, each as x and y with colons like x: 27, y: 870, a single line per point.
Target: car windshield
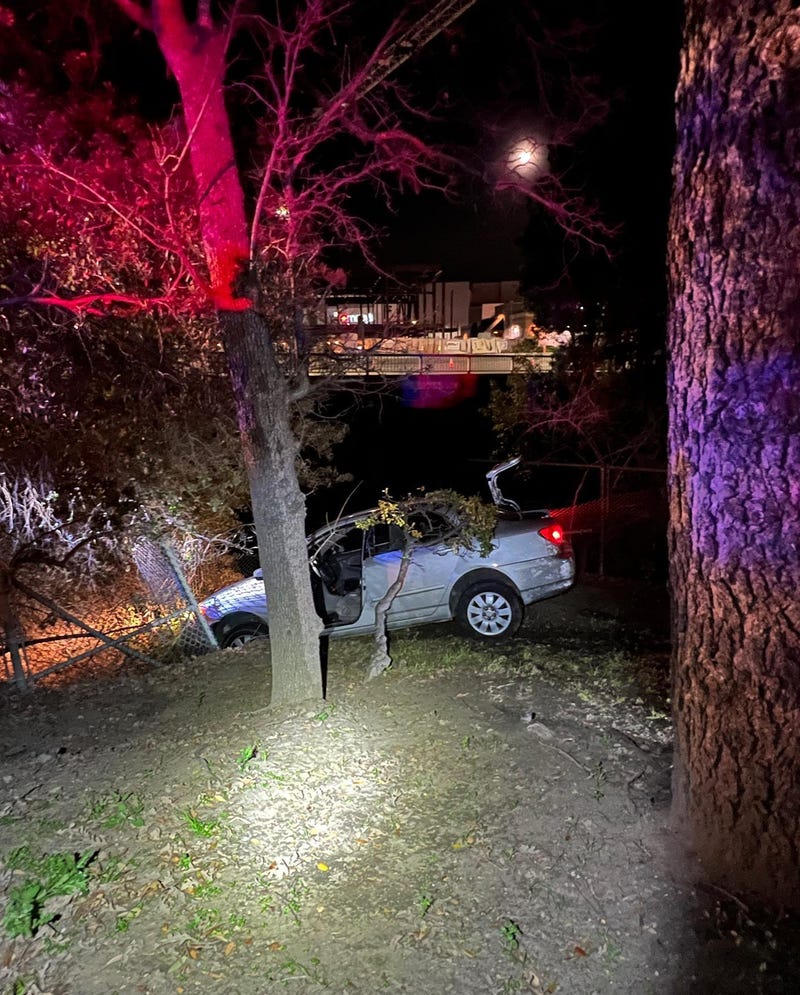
x: 344, y: 539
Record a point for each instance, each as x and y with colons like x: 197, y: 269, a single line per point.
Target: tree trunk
x: 270, y: 450
x: 734, y: 442
x: 381, y: 660
x: 11, y: 629
x: 196, y: 55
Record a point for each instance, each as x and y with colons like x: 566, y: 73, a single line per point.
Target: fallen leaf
x: 193, y: 952
x: 580, y: 952
x: 275, y: 945
x: 230, y: 946
x: 322, y: 867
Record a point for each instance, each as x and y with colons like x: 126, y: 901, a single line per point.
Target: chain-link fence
x: 146, y: 612
x: 616, y: 516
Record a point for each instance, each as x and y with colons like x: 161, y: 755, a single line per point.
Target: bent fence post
x: 188, y: 594
x: 18, y: 671
x: 69, y: 617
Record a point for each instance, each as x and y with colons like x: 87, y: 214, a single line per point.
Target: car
x: 352, y: 568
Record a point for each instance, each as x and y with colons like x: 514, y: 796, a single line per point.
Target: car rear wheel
x: 236, y: 634
x: 489, y: 611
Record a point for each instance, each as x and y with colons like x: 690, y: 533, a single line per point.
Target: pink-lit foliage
x: 108, y: 202
x: 98, y: 214
x: 106, y: 205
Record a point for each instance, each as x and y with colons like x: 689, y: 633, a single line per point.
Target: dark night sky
x: 481, y: 81
x: 484, y: 69
x: 623, y: 164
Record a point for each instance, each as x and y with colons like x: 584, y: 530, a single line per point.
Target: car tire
x: 238, y: 633
x: 489, y: 611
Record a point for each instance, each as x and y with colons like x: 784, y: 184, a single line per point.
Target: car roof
x: 357, y: 516
x: 343, y: 522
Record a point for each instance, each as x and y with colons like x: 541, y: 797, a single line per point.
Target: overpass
x: 436, y: 354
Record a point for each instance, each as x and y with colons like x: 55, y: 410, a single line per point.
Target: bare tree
x: 245, y: 245
x: 40, y: 529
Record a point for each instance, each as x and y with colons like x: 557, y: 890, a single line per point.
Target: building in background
x: 419, y: 300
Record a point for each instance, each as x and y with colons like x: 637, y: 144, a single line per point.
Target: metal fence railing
x: 616, y: 515
x: 147, y: 612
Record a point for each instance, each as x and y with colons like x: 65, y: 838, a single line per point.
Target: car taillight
x: 555, y: 533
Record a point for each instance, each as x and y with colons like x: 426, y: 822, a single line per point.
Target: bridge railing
x: 418, y: 356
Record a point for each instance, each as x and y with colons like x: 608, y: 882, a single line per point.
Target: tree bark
x: 381, y: 659
x: 734, y: 444
x: 11, y: 628
x: 270, y: 450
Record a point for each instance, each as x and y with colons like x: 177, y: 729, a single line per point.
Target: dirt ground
x: 472, y: 822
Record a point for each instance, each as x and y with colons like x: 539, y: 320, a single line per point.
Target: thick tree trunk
x: 270, y: 449
x: 196, y: 54
x: 734, y: 438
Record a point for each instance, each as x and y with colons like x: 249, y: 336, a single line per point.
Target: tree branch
x: 136, y: 12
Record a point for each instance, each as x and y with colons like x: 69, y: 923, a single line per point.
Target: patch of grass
x: 297, y: 969
x: 205, y: 828
x: 424, y: 903
x: 264, y: 896
x: 326, y: 712
x: 124, y: 921
x: 510, y: 933
x: 246, y: 755
x: 47, y: 876
x: 118, y: 809
x: 53, y: 946
x: 206, y: 799
x: 25, y: 913
x: 205, y: 921
x: 207, y: 889
x: 612, y: 954
x: 599, y: 778
x: 293, y: 900
x: 612, y: 672
x: 51, y: 825
x: 19, y: 986
x: 110, y: 870
x: 451, y: 653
